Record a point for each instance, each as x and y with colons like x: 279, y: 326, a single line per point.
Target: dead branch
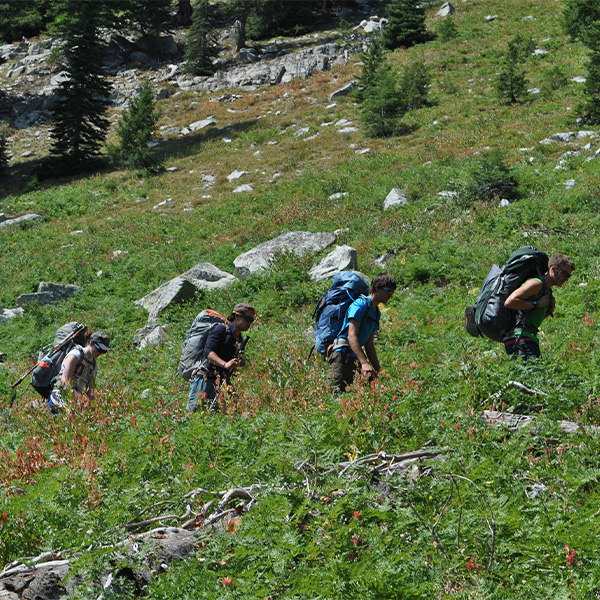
x: 513, y: 384
x: 491, y: 522
x: 516, y: 421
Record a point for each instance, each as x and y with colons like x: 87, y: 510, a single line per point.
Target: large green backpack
x: 493, y: 319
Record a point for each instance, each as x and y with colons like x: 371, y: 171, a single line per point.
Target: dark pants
x: 524, y: 347
x: 342, y: 369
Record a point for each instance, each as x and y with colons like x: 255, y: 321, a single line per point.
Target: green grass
x: 73, y: 482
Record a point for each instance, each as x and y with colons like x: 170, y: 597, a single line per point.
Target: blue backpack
x: 332, y: 306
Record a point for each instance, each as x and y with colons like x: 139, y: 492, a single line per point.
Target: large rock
x: 296, y: 242
x: 173, y: 292
x: 206, y: 276
x: 447, y: 9
x: 155, y: 335
x: 341, y: 259
x: 48, y: 293
x: 396, y: 197
x: 9, y: 313
x: 21, y: 219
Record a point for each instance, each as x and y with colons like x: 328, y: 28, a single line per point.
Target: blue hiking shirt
x: 360, y: 310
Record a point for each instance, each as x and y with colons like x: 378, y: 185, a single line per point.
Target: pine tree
x: 406, y: 24
x: 511, y: 82
x: 414, y: 85
x: 202, y: 46
x: 80, y: 124
x: 150, y: 17
x: 372, y: 59
x: 590, y: 106
x: 447, y: 30
x: 384, y: 105
x: 137, y: 127
x: 4, y: 156
x: 579, y: 16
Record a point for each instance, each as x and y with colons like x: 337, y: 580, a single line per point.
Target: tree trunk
x: 184, y: 12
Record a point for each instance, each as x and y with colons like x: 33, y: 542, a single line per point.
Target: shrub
x: 555, y: 78
x: 447, y: 30
x: 414, y: 85
x: 136, y: 129
x: 492, y: 178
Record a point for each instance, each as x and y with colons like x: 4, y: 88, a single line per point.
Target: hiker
x: 347, y: 357
x: 222, y: 355
x: 78, y: 371
x: 534, y: 302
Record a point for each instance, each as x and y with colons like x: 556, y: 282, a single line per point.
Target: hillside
x: 329, y: 503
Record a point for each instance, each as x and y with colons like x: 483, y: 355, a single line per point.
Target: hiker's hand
x: 367, y: 369
x: 231, y: 364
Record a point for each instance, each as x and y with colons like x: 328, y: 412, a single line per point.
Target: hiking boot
x: 471, y: 325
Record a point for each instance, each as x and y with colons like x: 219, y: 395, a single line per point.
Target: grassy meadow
x: 497, y: 517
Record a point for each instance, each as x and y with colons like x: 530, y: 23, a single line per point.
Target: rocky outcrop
x: 298, y: 243
x: 49, y: 293
x: 343, y: 258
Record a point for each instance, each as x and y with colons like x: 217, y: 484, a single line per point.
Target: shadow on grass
x: 47, y: 172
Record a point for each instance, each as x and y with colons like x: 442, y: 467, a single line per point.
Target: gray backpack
x: 192, y: 349
x: 46, y: 371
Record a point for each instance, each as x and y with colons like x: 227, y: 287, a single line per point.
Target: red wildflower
x: 3, y: 519
x: 571, y: 554
x: 227, y: 581
x: 356, y: 514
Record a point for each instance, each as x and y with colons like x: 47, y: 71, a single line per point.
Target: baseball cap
x: 101, y: 340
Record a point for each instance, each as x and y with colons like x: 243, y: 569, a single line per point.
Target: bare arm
x: 522, y: 298
x: 372, y: 353
x: 355, y: 346
x: 216, y: 360
x: 69, y: 368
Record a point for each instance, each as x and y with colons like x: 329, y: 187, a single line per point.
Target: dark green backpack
x: 493, y: 319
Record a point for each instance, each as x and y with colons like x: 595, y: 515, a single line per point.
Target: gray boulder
x: 9, y: 313
x: 49, y: 293
x: 21, y: 219
x: 149, y: 335
x: 298, y: 243
x: 173, y: 292
x: 447, y: 9
x: 396, y: 197
x: 341, y: 259
x: 206, y: 276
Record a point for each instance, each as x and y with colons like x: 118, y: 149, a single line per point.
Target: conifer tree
x: 384, y: 105
x: 4, y: 156
x: 372, y: 59
x: 80, y: 124
x: 202, y: 46
x: 579, y: 17
x: 511, y: 82
x: 149, y: 16
x: 589, y: 108
x: 137, y: 127
x: 414, y: 85
x: 406, y: 24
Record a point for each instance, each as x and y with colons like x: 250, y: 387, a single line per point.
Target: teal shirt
x: 531, y: 320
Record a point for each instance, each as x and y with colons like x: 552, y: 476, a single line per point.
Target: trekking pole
x: 14, y: 385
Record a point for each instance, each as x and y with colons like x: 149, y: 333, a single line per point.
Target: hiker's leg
x: 524, y: 347
x: 528, y: 349
x: 342, y: 369
x: 208, y: 393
